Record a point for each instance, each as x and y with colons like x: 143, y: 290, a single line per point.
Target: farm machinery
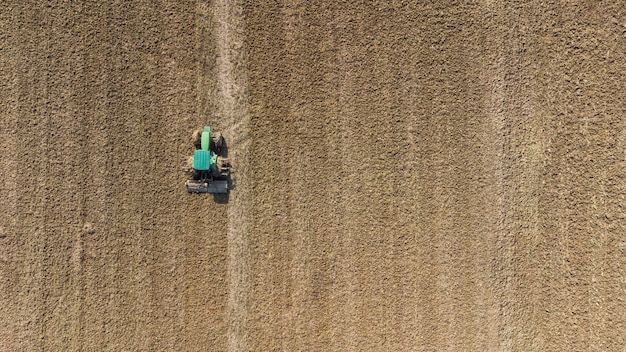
x: 210, y: 168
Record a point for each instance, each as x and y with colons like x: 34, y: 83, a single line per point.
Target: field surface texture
x: 407, y: 176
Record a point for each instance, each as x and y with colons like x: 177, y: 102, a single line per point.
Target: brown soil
x: 407, y: 176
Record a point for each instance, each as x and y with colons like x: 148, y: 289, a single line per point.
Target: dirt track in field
x: 427, y: 177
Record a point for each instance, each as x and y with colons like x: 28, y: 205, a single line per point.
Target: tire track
x: 297, y: 281
x: 234, y: 110
x: 515, y: 155
x: 345, y: 291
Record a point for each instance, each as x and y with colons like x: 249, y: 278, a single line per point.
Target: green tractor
x: 210, y: 169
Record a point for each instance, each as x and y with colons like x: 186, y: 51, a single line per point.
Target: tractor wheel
x: 223, y: 166
x: 196, y: 139
x: 217, y: 142
x: 189, y: 163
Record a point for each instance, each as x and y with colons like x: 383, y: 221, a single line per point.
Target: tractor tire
x: 223, y: 167
x: 196, y: 138
x: 217, y: 143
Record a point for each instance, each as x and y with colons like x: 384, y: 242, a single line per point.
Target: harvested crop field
x: 408, y: 176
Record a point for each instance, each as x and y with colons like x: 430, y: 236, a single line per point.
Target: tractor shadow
x: 223, y: 198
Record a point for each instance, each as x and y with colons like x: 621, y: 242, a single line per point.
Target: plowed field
x: 408, y: 176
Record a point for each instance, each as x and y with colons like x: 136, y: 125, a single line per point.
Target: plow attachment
x: 207, y: 186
